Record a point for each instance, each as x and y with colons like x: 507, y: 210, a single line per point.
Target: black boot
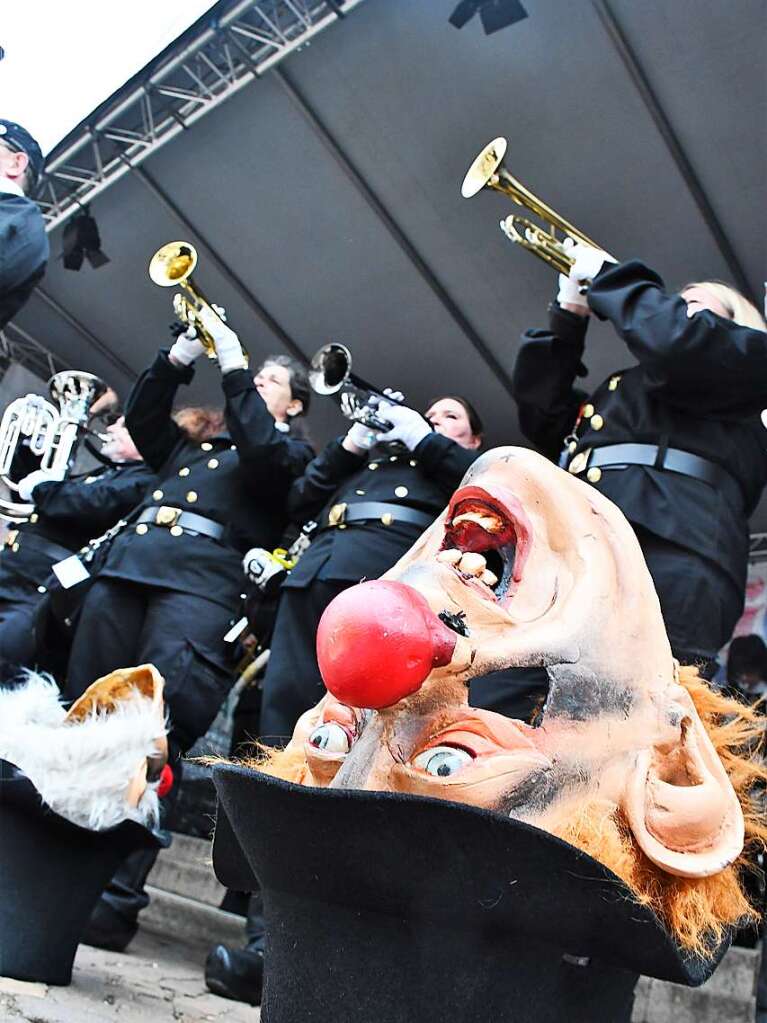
x: 239, y: 973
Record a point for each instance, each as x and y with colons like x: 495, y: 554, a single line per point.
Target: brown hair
x: 473, y: 416
x: 200, y: 424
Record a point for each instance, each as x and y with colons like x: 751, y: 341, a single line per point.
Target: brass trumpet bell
x: 172, y: 266
x: 488, y: 171
x: 330, y: 373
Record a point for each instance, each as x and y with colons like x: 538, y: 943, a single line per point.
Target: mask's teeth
x: 489, y: 522
x: 450, y: 557
x: 472, y: 564
x: 488, y: 578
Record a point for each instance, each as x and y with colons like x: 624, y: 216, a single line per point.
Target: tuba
x: 330, y: 373
x: 172, y: 266
x: 488, y: 171
x: 53, y: 434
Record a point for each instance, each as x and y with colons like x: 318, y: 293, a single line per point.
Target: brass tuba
x: 172, y: 266
x: 488, y: 171
x: 53, y: 434
x: 330, y: 373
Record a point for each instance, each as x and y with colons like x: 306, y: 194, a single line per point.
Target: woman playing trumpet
x: 675, y: 441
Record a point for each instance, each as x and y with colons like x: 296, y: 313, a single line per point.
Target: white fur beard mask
x: 89, y: 768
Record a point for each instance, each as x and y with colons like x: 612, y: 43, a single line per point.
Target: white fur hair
x: 81, y: 769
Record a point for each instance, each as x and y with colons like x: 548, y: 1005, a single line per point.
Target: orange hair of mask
x: 697, y: 911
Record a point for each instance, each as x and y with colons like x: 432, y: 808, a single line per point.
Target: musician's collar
x: 10, y: 187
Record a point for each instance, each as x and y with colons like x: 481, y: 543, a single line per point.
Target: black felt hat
x: 18, y: 138
x: 395, y: 908
x: 51, y: 875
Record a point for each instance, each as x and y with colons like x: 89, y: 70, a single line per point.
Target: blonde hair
x: 740, y: 309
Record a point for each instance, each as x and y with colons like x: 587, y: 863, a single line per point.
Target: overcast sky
x: 64, y: 57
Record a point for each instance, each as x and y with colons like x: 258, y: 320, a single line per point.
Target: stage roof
x: 323, y: 194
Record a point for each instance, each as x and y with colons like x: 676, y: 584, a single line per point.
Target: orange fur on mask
x: 696, y: 911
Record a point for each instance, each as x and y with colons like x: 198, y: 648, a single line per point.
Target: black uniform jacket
x: 239, y: 479
x: 24, y: 252
x: 423, y: 480
x: 68, y: 514
x: 699, y: 386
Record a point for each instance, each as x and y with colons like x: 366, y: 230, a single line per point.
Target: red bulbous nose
x: 378, y: 641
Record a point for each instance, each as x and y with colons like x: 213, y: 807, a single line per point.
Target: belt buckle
x: 579, y: 462
x: 167, y: 516
x: 337, y: 514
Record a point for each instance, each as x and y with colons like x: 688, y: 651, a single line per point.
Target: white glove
x: 570, y: 294
x: 228, y: 347
x: 186, y: 348
x: 588, y: 261
x: 408, y: 426
x: 361, y: 437
x: 28, y: 484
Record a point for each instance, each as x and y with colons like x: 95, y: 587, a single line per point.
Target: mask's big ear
x: 679, y: 801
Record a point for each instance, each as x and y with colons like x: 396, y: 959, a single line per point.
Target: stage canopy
x: 314, y: 152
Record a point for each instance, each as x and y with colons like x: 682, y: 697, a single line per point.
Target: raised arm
x: 686, y: 359
x: 543, y: 379
x: 149, y: 406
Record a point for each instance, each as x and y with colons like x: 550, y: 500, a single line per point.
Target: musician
x: 24, y: 246
x: 675, y: 441
x: 68, y: 513
x: 171, y: 585
x: 371, y: 500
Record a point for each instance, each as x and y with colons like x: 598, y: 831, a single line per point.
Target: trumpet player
x: 675, y: 441
x: 24, y: 246
x: 68, y: 512
x: 170, y: 587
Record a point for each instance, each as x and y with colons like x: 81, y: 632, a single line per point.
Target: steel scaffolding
x: 242, y: 43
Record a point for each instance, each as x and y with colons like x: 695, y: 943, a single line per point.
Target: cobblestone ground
x: 153, y: 982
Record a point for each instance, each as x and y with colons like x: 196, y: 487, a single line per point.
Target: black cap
x: 19, y: 139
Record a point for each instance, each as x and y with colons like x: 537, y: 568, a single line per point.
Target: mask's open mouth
x: 487, y: 539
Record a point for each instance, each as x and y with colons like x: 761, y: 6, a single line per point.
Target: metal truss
x: 242, y: 43
x: 20, y: 348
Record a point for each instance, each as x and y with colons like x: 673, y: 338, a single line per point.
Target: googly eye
x: 442, y: 761
x: 330, y: 737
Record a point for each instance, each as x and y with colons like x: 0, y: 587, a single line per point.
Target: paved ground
x: 153, y: 982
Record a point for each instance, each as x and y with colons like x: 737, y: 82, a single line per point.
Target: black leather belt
x: 175, y: 518
x: 16, y: 539
x: 617, y: 456
x: 344, y: 514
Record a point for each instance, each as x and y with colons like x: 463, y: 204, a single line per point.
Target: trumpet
x: 488, y: 171
x: 53, y: 434
x: 330, y: 373
x: 172, y: 266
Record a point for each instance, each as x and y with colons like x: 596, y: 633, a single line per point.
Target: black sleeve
x: 702, y: 362
x: 23, y: 241
x: 149, y: 406
x: 322, y: 477
x: 543, y: 380
x: 98, y: 504
x: 443, y: 461
x: 267, y: 455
